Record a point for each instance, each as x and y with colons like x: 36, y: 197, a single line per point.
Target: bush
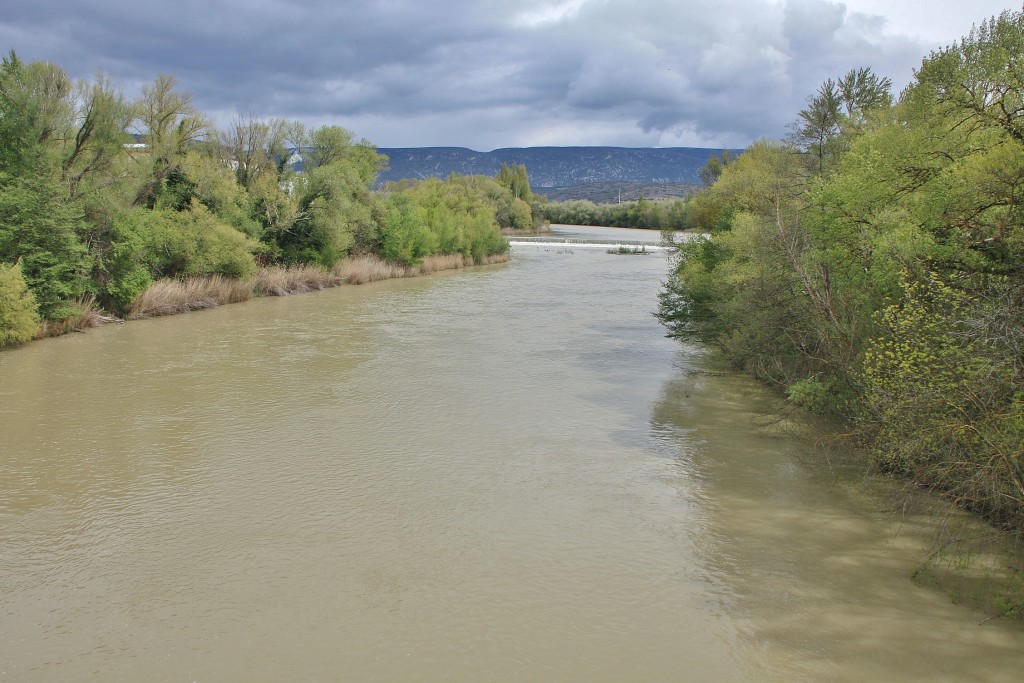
x: 19, y: 319
x: 812, y: 394
x: 407, y: 238
x: 943, y: 403
x: 194, y: 242
x: 38, y: 228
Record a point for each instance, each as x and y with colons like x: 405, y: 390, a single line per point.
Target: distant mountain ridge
x: 554, y: 167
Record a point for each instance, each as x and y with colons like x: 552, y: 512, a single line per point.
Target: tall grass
x: 167, y: 297
x: 293, y: 280
x: 495, y: 258
x: 362, y: 269
x: 87, y: 315
x: 432, y: 264
x: 359, y: 270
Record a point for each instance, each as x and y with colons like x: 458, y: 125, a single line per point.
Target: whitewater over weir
x: 570, y: 243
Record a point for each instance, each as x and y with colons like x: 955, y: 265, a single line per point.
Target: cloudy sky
x: 496, y: 73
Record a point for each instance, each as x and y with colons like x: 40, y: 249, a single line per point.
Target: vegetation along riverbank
x: 111, y: 208
x: 871, y: 267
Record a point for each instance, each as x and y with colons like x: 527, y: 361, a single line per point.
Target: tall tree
x: 837, y: 111
x: 257, y: 148
x: 980, y: 80
x: 712, y: 170
x: 170, y: 126
x: 35, y: 112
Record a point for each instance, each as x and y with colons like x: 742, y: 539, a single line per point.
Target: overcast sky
x: 496, y: 73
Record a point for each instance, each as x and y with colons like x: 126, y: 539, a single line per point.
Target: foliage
x: 406, y: 238
x: 837, y: 111
x: 655, y: 215
x: 40, y: 230
x: 943, y: 400
x: 102, y: 197
x: 873, y: 268
x: 454, y: 216
x: 19, y: 320
x: 194, y: 242
x: 516, y: 180
x: 711, y: 171
x: 170, y: 126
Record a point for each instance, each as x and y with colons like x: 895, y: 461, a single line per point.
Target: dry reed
x: 496, y: 258
x: 359, y: 270
x: 293, y: 280
x: 432, y: 264
x: 362, y: 269
x: 167, y: 297
x: 88, y: 315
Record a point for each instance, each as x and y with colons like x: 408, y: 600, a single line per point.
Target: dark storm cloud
x: 477, y: 73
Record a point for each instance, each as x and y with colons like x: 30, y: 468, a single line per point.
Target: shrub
x: 19, y: 318
x: 195, y: 242
x: 38, y: 228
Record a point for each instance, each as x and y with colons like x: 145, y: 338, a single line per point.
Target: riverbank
x: 544, y: 229
x: 951, y: 550
x: 174, y: 296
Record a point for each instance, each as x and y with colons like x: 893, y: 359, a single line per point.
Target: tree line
x: 642, y: 213
x: 101, y: 196
x: 871, y: 266
x: 666, y: 214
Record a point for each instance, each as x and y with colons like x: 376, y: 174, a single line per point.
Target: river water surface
x: 499, y: 474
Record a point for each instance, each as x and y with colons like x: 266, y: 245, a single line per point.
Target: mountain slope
x: 554, y: 166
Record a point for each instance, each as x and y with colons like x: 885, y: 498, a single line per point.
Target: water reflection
x: 822, y: 590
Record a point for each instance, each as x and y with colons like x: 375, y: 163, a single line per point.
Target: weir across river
x: 587, y: 243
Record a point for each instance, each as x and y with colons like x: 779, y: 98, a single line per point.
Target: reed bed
x: 293, y: 280
x: 495, y: 258
x: 432, y: 264
x: 88, y: 315
x: 359, y: 270
x: 167, y: 297
x: 172, y: 296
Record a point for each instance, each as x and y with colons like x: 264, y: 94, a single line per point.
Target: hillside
x: 554, y: 167
x: 614, y: 191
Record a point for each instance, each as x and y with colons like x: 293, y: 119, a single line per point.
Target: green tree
x: 94, y: 146
x: 980, y: 79
x: 19, y: 320
x: 944, y: 403
x: 35, y: 113
x: 711, y: 171
x: 38, y: 228
x: 837, y: 110
x: 516, y: 179
x: 886, y: 283
x: 171, y: 126
x: 257, y: 148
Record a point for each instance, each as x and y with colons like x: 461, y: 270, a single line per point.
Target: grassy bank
x: 172, y: 296
x: 542, y: 229
x: 168, y: 297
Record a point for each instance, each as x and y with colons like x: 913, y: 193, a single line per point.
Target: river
x: 498, y: 474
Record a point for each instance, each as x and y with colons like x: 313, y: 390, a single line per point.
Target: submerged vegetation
x: 633, y: 251
x: 110, y: 207
x: 872, y: 267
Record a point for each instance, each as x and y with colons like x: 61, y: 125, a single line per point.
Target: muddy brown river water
x: 499, y: 474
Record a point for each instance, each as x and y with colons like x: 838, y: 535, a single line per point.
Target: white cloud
x: 549, y: 13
